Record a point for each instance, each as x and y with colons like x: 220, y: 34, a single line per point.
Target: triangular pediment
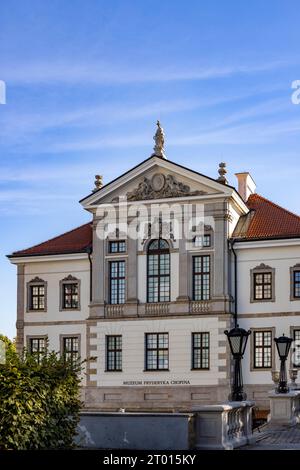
x: 157, y: 178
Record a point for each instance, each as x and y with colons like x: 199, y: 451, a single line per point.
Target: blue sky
x: 87, y: 80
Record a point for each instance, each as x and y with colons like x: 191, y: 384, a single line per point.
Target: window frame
x: 36, y: 282
x: 118, y: 278
x: 115, y: 351
x: 294, y: 269
x: 29, y: 340
x: 262, y: 269
x: 201, y: 273
x: 202, y: 244
x: 293, y: 330
x: 67, y: 281
x: 158, y: 252
x: 253, y: 366
x: 157, y: 349
x: 118, y: 243
x: 63, y: 338
x: 264, y: 285
x: 200, y: 348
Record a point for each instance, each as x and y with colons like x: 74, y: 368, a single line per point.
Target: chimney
x: 246, y: 185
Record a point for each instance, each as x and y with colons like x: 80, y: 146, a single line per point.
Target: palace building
x: 146, y: 289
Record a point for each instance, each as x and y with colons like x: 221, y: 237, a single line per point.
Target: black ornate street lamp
x: 237, y: 338
x: 283, y: 344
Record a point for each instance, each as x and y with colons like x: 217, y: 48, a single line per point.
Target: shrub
x: 39, y: 402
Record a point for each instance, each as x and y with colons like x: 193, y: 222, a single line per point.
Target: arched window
x: 158, y: 278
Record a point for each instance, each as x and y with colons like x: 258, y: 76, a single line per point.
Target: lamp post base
x: 282, y: 388
x: 237, y: 396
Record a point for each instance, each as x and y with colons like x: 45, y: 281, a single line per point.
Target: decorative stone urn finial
x: 159, y: 139
x: 293, y: 377
x: 222, y: 172
x: 98, y: 182
x: 275, y: 377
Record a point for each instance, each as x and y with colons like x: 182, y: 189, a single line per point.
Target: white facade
x: 282, y: 315
x: 133, y: 342
x: 96, y: 317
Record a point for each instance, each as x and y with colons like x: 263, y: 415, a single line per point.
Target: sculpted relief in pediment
x: 161, y: 186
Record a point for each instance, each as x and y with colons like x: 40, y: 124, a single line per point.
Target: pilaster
x: 20, y: 307
x: 132, y: 273
x: 183, y: 291
x: 98, y: 270
x: 220, y: 288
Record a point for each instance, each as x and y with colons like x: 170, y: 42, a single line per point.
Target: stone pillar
x: 20, y: 307
x: 183, y: 294
x: 223, y: 427
x: 98, y: 270
x: 220, y: 243
x: 132, y: 275
x: 284, y: 408
x: 183, y: 288
x: 220, y: 288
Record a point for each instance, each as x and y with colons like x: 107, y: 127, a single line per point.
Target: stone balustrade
x: 224, y: 426
x: 200, y: 307
x: 159, y: 309
x: 114, y: 310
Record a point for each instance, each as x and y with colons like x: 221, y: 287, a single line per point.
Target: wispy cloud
x: 25, y: 201
x: 18, y: 125
x: 42, y: 176
x: 111, y: 73
x: 252, y: 133
x: 260, y: 110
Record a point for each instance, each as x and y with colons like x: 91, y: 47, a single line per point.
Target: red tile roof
x: 265, y: 220
x: 268, y: 220
x: 74, y: 241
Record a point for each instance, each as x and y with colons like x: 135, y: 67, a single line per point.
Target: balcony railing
x: 114, y: 310
x: 157, y: 308
x: 200, y: 306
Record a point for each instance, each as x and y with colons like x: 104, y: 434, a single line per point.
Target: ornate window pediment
x: 70, y: 278
x: 263, y: 266
x: 37, y: 280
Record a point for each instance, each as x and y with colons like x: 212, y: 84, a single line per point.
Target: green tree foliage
x: 39, y: 401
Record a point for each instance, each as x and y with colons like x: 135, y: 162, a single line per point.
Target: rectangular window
x: 296, y: 348
x: 117, y: 282
x: 201, y: 278
x: 70, y: 295
x: 37, y: 297
x: 114, y: 353
x: 262, y: 341
x: 71, y: 348
x: 262, y: 286
x: 157, y: 351
x: 206, y: 240
x: 202, y: 241
x: 37, y: 347
x: 200, y: 351
x: 118, y: 246
x: 296, y: 287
